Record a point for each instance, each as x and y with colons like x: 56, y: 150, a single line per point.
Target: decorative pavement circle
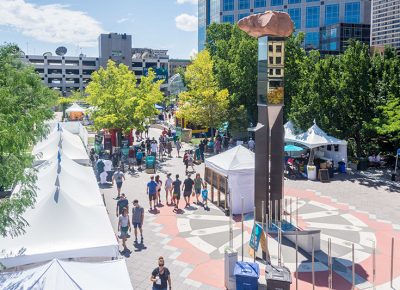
x: 202, y: 236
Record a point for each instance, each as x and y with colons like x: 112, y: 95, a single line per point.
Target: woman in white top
x: 168, y: 188
x: 124, y: 225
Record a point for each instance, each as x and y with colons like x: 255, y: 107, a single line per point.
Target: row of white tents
x: 68, y: 222
x: 316, y: 139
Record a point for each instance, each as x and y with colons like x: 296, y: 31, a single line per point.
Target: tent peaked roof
x: 75, y: 108
x: 289, y: 130
x: 315, y: 137
x: 58, y: 274
x: 236, y: 159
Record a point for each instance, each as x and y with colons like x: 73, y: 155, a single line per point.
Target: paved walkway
x: 193, y: 241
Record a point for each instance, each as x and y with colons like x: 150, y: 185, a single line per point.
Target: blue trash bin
x: 247, y: 275
x: 342, y: 167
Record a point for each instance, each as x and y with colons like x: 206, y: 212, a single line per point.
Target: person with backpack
x: 187, y: 189
x: 139, y: 158
x: 177, y: 192
x: 198, y: 184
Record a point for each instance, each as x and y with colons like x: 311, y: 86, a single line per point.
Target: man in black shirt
x: 187, y: 189
x: 160, y: 276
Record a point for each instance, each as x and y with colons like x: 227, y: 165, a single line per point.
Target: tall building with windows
x: 309, y: 16
x: 385, y: 23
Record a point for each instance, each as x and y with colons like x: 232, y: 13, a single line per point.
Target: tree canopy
x: 25, y: 106
x: 203, y: 103
x: 118, y: 102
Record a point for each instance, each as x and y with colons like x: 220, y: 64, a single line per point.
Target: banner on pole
x: 255, y: 237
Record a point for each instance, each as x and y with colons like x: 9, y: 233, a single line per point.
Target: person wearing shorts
x: 198, y: 184
x: 187, y: 189
x: 152, y: 192
x: 118, y: 178
x: 159, y: 186
x: 124, y: 226
x: 139, y: 157
x: 131, y: 158
x: 168, y: 188
x: 137, y: 219
x: 177, y: 191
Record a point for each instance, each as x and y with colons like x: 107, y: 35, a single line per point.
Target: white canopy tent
x: 71, y: 145
x: 62, y: 275
x: 75, y: 108
x: 237, y: 165
x: 60, y: 226
x: 289, y: 130
x: 325, y: 146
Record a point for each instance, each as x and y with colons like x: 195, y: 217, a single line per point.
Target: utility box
x: 278, y: 277
x: 230, y: 259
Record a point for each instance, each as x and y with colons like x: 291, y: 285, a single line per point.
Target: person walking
x: 146, y: 131
x: 161, y: 276
x: 139, y: 158
x: 159, y: 186
x: 218, y: 146
x: 153, y: 148
x: 186, y: 161
x: 118, y: 178
x: 187, y: 189
x: 152, y: 192
x: 137, y: 219
x: 168, y: 188
x: 148, y: 146
x: 201, y: 149
x: 161, y: 150
x: 190, y: 161
x: 124, y: 225
x: 178, y: 146
x: 121, y: 204
x: 204, y: 195
x: 177, y: 191
x: 198, y: 185
x: 251, y: 144
x: 131, y: 158
x: 169, y: 148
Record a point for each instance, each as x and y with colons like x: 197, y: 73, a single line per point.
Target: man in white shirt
x: 153, y: 149
x: 251, y: 144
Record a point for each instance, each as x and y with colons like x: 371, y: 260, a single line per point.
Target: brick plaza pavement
x: 193, y: 242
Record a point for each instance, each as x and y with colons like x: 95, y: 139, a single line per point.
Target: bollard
x: 242, y: 229
x: 312, y: 264
x: 391, y: 263
x: 353, y: 269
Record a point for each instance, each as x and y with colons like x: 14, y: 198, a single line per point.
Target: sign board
x: 161, y: 73
x: 255, y: 237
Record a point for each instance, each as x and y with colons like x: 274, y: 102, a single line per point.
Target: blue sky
x: 38, y: 26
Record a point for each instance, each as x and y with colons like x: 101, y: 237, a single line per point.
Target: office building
x: 385, y: 23
x: 174, y: 64
x: 308, y: 16
x: 145, y: 58
x: 116, y: 47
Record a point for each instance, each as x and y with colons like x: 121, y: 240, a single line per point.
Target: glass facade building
x: 385, y: 23
x: 309, y: 16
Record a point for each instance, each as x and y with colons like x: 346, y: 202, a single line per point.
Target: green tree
x: 203, y: 103
x: 119, y: 103
x: 25, y: 106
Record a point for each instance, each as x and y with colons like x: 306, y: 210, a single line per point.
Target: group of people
x: 173, y: 188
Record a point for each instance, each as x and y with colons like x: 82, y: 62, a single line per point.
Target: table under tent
x: 233, y: 170
x: 67, y: 275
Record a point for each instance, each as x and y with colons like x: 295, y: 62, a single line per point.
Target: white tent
x: 61, y: 227
x: 75, y: 108
x: 325, y: 146
x: 237, y: 164
x: 289, y: 130
x: 76, y: 180
x: 71, y: 145
x: 62, y: 275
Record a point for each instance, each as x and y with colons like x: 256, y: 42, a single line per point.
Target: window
x: 271, y: 72
x: 260, y: 3
x: 347, y: 32
x: 271, y: 60
x: 228, y: 5
x: 331, y: 14
x: 312, y: 40
x: 278, y: 60
x: 244, y: 4
x: 278, y: 71
x: 333, y: 46
x: 352, y: 12
x: 312, y: 17
x: 228, y: 19
x: 295, y: 14
x: 271, y: 48
x: 279, y: 48
x: 333, y: 32
x: 294, y: 1
x: 243, y: 15
x: 276, y: 2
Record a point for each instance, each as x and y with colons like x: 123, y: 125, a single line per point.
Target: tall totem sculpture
x: 271, y: 28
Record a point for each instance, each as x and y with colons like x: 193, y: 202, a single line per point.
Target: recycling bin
x: 341, y: 167
x: 150, y: 164
x: 246, y: 275
x: 278, y: 277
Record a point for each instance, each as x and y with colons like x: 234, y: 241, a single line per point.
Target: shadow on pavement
x: 139, y: 246
x: 126, y: 253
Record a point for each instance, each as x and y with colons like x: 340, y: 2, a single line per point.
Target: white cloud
x: 122, y: 20
x: 192, y: 53
x: 194, y: 2
x: 186, y: 22
x: 53, y: 23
